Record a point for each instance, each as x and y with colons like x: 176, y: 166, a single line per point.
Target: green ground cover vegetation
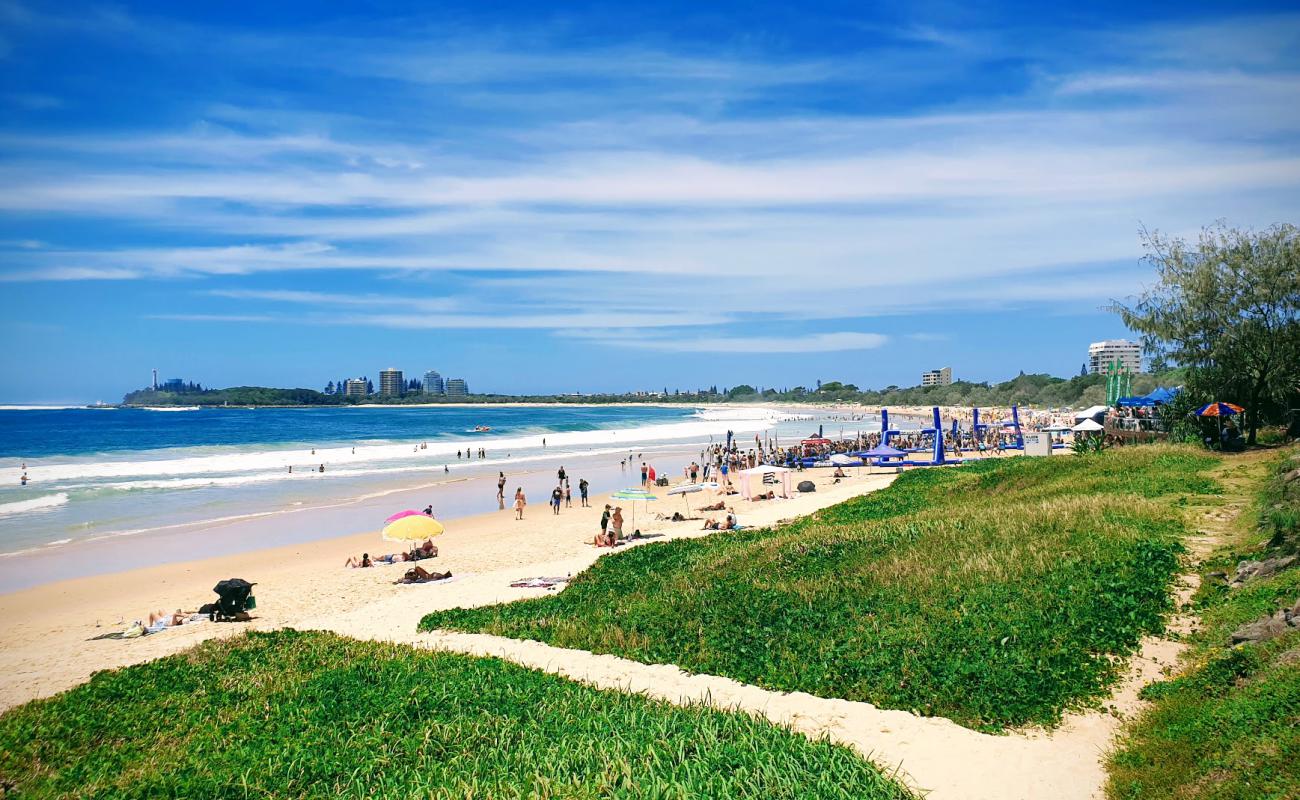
x: 997, y: 594
x: 293, y: 714
x: 1228, y: 725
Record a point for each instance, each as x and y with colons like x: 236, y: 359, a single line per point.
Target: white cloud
x: 696, y: 342
x: 657, y: 199
x: 216, y: 317
x: 328, y: 299
x: 73, y: 274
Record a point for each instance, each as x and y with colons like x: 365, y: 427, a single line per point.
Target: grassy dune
x: 1228, y: 726
x: 314, y: 715
x: 996, y: 594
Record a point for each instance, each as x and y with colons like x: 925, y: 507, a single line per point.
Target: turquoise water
x: 42, y: 433
x: 135, y: 475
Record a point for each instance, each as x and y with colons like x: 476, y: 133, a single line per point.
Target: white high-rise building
x: 433, y: 383
x: 937, y: 377
x: 1101, y: 354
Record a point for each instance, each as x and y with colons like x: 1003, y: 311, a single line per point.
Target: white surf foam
x: 34, y: 504
x: 274, y: 462
x: 37, y: 408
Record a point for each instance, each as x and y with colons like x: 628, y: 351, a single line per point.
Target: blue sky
x: 615, y: 196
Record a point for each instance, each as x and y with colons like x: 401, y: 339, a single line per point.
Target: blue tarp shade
x: 882, y: 451
x: 1157, y: 397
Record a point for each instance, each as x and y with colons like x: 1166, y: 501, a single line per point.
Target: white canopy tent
x: 1092, y: 412
x: 748, y: 477
x: 1089, y: 425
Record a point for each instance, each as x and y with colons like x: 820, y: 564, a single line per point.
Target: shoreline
x: 79, y: 502
x: 455, y: 496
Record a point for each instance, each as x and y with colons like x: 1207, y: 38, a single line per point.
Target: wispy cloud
x: 535, y: 176
x: 711, y: 342
x: 58, y: 273
x: 216, y: 317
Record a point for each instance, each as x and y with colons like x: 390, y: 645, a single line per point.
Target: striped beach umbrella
x: 634, y: 494
x: 1219, y: 410
x: 691, y: 488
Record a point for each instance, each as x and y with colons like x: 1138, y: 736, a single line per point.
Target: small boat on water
x: 481, y: 429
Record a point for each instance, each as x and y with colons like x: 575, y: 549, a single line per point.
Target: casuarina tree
x: 1227, y: 307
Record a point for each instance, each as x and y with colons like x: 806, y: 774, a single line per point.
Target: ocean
x: 190, y: 483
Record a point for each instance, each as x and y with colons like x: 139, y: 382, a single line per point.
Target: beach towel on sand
x: 439, y: 582
x: 138, y: 630
x: 538, y: 583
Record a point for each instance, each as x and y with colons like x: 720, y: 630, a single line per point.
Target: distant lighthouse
x: 155, y: 380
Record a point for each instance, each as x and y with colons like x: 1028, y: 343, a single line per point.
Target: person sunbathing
x: 718, y: 506
x: 365, y: 561
x: 605, y: 539
x: 421, y: 575
x: 163, y: 619
x: 711, y: 524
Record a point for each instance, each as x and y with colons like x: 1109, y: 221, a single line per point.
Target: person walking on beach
x: 568, y: 495
x: 520, y: 502
x: 501, y: 485
x: 643, y: 473
x: 557, y: 494
x: 582, y: 492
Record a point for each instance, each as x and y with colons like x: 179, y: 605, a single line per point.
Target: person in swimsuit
x: 520, y: 502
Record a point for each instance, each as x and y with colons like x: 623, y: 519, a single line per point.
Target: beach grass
x: 293, y: 714
x: 1228, y: 724
x: 998, y: 594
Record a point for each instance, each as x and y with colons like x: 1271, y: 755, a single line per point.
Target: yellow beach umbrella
x: 411, y: 526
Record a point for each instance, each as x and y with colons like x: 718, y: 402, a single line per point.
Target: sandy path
x: 935, y: 755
